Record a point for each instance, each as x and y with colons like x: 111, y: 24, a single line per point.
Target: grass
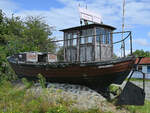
x: 24, y: 100
x: 14, y: 100
x: 139, y: 109
x: 115, y: 89
x: 138, y: 79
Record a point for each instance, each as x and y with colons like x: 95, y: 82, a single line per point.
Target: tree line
x: 141, y: 53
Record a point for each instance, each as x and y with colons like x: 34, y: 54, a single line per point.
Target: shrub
x: 42, y: 80
x: 27, y: 83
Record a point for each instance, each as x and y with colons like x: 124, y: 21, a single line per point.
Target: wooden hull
x: 97, y: 73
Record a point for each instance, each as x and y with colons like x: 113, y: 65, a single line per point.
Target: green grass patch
x: 115, y: 89
x: 139, y: 109
x: 22, y: 100
x: 138, y: 79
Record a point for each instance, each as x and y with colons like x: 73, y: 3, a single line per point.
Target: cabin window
x: 107, y: 37
x: 148, y: 69
x: 82, y: 38
x: 89, y: 34
x: 69, y: 39
x: 82, y: 41
x: 101, y: 35
x: 98, y: 39
x: 66, y: 35
x: 90, y: 39
x: 74, y: 39
x: 98, y: 32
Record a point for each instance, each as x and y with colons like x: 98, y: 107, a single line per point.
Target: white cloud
x: 8, y: 6
x: 138, y: 12
x: 60, y: 18
x: 111, y: 11
x: 141, y: 42
x: 68, y: 16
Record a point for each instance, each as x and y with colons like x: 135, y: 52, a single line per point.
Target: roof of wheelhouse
x: 88, y: 26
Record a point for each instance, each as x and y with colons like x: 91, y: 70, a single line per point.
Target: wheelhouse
x: 88, y: 43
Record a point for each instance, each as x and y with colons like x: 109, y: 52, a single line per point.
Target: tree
x: 29, y: 35
x: 2, y: 28
x: 141, y: 53
x: 16, y: 35
x: 37, y: 34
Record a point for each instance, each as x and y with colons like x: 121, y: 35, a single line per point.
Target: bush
x: 27, y: 83
x: 42, y: 80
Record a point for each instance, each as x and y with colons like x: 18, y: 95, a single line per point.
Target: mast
x: 123, y: 20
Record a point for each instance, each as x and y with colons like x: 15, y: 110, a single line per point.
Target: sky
x: 64, y: 14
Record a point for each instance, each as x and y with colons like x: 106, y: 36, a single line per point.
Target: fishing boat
x: 88, y: 57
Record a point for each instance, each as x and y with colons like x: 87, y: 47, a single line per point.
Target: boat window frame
x: 148, y: 69
x: 140, y: 67
x: 103, y: 36
x: 74, y: 39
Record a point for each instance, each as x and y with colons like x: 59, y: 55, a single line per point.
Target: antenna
x: 80, y: 14
x: 123, y: 21
x: 86, y: 4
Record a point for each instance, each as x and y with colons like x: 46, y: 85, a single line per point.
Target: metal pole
x: 144, y: 82
x: 123, y: 19
x: 100, y: 43
x: 64, y: 47
x: 131, y: 43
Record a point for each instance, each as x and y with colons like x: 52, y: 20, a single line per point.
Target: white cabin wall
x: 144, y: 68
x: 137, y: 74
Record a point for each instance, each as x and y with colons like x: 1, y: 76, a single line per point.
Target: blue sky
x: 38, y: 4
x: 64, y: 14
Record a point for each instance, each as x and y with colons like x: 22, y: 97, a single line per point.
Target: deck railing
x: 116, y: 42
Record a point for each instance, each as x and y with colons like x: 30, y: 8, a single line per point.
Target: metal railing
x: 128, y: 35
